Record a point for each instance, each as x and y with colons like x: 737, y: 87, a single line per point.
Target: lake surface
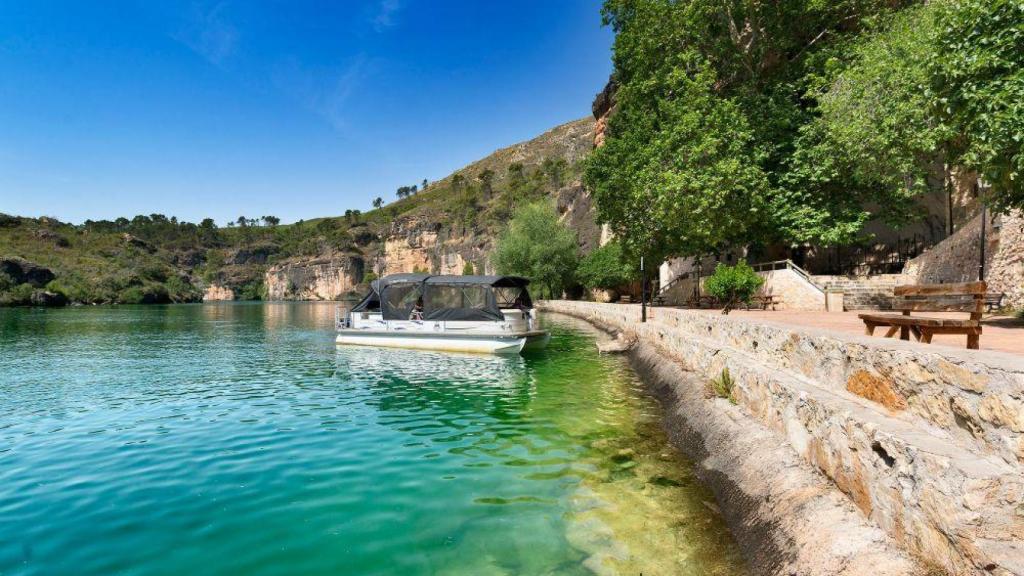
x: 237, y: 438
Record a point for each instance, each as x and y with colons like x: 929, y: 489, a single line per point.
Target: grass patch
x: 723, y: 386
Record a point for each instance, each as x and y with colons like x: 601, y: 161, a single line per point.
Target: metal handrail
x: 759, y: 267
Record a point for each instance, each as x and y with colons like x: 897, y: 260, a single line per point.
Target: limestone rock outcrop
x: 327, y: 277
x: 217, y: 293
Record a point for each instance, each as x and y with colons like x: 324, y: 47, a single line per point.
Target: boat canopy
x: 446, y: 297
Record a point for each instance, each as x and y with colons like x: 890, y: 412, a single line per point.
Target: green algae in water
x: 237, y: 438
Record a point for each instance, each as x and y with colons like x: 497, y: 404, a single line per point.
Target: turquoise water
x: 237, y: 438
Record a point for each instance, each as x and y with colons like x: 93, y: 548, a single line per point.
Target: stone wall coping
x: 997, y: 359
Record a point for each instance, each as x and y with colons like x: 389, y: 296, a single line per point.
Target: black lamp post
x: 643, y: 291
x: 981, y: 262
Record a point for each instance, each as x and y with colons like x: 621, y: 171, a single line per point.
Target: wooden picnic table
x: 763, y: 302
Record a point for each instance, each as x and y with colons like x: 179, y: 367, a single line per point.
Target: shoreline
x: 785, y: 516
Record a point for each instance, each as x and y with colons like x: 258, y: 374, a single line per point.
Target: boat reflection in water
x: 483, y: 314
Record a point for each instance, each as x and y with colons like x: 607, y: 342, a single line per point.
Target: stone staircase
x: 863, y: 292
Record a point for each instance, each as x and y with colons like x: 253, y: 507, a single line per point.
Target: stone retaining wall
x: 926, y: 441
x: 957, y: 258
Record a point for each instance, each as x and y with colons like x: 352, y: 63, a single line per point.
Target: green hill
x: 156, y: 258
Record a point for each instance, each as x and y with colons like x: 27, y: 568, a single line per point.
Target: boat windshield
x: 478, y: 298
x: 513, y: 297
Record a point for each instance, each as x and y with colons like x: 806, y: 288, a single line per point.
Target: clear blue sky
x: 289, y: 108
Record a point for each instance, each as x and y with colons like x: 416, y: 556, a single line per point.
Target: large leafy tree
x: 711, y: 103
x: 977, y: 74
x: 536, y: 245
x: 872, y: 142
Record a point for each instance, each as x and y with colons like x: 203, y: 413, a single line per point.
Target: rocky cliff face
x: 328, y: 277
x: 430, y: 238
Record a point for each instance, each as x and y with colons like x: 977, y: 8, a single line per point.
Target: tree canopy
x: 536, y: 245
x: 606, y: 267
x: 744, y: 122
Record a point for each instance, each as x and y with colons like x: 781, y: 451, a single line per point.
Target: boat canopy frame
x: 446, y: 297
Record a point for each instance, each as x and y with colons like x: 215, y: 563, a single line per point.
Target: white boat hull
x: 478, y: 343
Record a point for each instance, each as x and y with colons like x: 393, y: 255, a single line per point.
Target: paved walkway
x: 1002, y: 333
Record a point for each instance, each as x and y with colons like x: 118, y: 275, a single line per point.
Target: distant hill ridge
x: 447, y: 228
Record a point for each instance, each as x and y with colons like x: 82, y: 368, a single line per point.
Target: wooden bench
x: 763, y: 302
x: 967, y: 297
x: 994, y: 300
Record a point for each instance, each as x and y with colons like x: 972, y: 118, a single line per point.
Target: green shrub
x: 369, y: 277
x: 145, y: 294
x: 154, y: 272
x: 254, y: 290
x: 733, y: 285
x: 467, y: 269
x: 181, y: 290
x: 75, y: 290
x: 19, y: 295
x: 605, y: 268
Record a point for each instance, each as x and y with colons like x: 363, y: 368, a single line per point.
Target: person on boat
x: 417, y: 310
x: 520, y: 303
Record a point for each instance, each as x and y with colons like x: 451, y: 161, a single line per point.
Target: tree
x: 555, y: 169
x: 413, y: 190
x: 679, y: 176
x: 424, y: 184
x: 976, y: 78
x: 458, y: 181
x: 486, y: 178
x: 711, y: 99
x: 536, y: 245
x: 378, y: 202
x: 271, y: 221
x: 606, y: 267
x: 872, y: 142
x: 242, y: 221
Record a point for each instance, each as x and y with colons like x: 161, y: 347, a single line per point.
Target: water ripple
x: 239, y: 439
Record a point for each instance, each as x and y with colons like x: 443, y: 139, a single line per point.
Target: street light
x: 643, y: 292
x: 981, y: 262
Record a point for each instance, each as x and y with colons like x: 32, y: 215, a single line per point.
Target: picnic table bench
x: 967, y: 297
x: 763, y: 302
x: 994, y: 300
x: 703, y: 301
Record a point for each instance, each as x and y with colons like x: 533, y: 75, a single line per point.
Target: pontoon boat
x: 489, y: 314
